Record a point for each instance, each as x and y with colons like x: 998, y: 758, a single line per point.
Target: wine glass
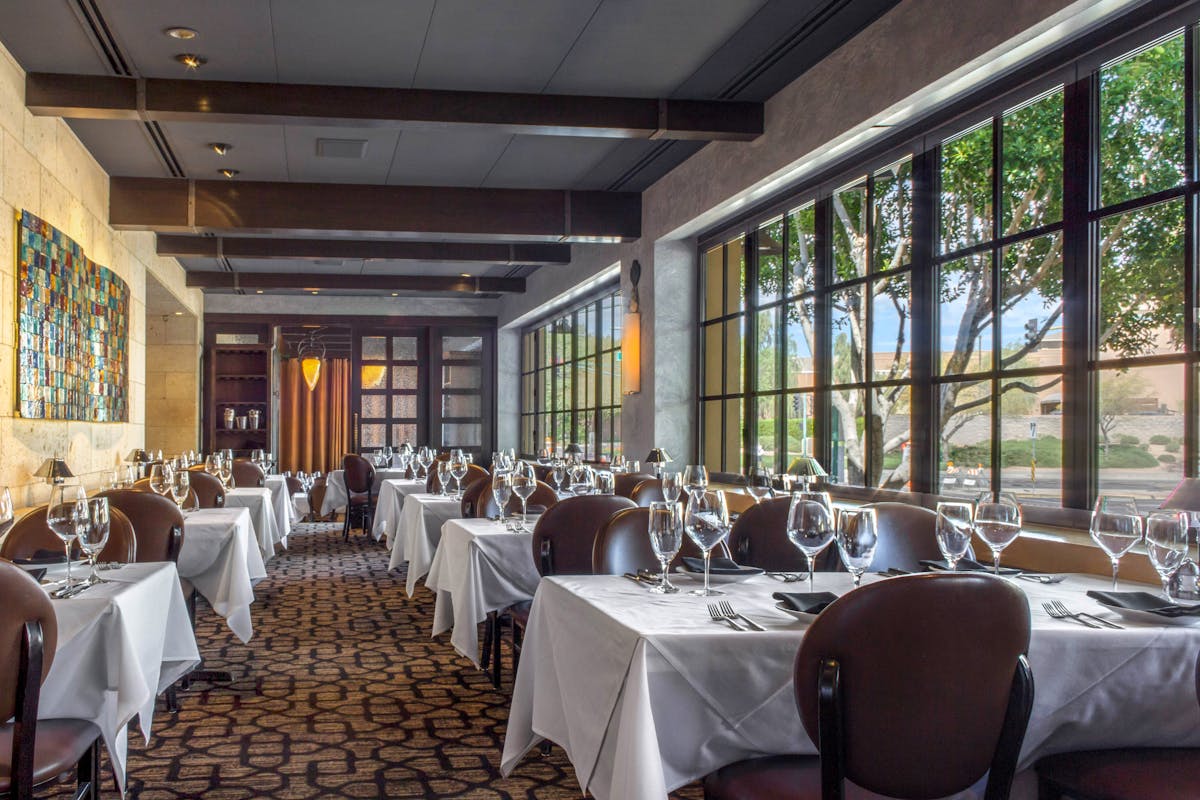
x: 443, y: 476
x: 666, y: 537
x: 707, y: 524
x: 605, y: 482
x: 94, y: 535
x: 953, y: 531
x: 758, y: 483
x: 998, y: 523
x: 212, y: 465
x: 558, y: 473
x: 1166, y: 543
x: 695, y: 478
x: 424, y: 459
x: 672, y: 483
x: 226, y: 473
x: 458, y: 469
x: 7, y: 511
x: 582, y: 479
x: 524, y: 484
x: 856, y: 538
x: 160, y: 478
x: 181, y: 486
x: 502, y: 486
x: 65, y: 514
x: 810, y: 526
x: 1116, y: 526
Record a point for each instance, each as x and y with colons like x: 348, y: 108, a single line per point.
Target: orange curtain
x: 314, y: 426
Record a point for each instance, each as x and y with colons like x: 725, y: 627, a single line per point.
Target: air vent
x: 341, y: 148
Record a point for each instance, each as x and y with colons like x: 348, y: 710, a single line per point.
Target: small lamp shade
x: 574, y: 449
x: 54, y: 470
x: 311, y: 367
x: 138, y: 456
x: 807, y: 468
x: 659, y: 455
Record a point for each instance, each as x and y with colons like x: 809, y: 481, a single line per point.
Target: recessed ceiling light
x: 395, y: 294
x: 464, y: 274
x: 314, y: 291
x: 179, y: 313
x: 220, y: 148
x: 228, y: 173
x: 191, y: 60
x: 258, y: 291
x: 180, y: 32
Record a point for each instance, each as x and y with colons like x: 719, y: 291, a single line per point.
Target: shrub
x: 1158, y: 438
x: 1172, y: 447
x: 1127, y: 439
x: 1125, y: 457
x: 1167, y: 458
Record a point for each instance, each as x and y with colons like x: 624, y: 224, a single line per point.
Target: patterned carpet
x: 341, y: 693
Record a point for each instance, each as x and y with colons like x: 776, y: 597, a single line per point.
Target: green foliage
x: 1018, y: 453
x: 1124, y: 457
x: 1126, y: 439
x: 1172, y: 447
x: 1159, y: 439
x: 1167, y: 458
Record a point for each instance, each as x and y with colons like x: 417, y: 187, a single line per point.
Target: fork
x: 719, y: 616
x: 787, y: 577
x: 727, y: 609
x: 1062, y: 614
x: 1039, y: 578
x: 1064, y: 610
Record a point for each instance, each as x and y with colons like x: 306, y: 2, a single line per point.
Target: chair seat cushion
x: 1148, y: 773
x: 59, y: 745
x: 774, y: 778
x: 357, y: 499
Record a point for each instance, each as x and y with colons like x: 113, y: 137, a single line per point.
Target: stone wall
x: 173, y: 352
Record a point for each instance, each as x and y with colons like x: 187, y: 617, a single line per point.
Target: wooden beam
x: 380, y: 283
x: 174, y: 205
x: 178, y: 246
x: 173, y: 100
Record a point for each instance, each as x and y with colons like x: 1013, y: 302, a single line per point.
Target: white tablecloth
x: 646, y: 693
x: 388, y: 504
x: 119, y: 645
x: 335, y: 487
x: 478, y: 568
x: 418, y: 533
x: 285, y: 507
x: 261, y: 505
x: 221, y: 559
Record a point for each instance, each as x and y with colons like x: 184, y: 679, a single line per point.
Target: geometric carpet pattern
x: 340, y: 693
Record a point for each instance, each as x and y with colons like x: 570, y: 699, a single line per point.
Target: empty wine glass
x: 758, y: 483
x: 524, y: 484
x: 424, y: 459
x: 160, y: 478
x: 1116, y: 526
x: 1166, y: 543
x: 582, y: 479
x: 558, y: 474
x: 605, y: 482
x: 953, y: 531
x: 181, y: 487
x: 666, y: 537
x: 707, y: 524
x: 458, y: 471
x: 810, y: 526
x: 672, y: 483
x: 856, y: 539
x: 695, y: 478
x: 65, y: 514
x: 443, y: 477
x: 94, y: 535
x: 226, y: 473
x: 212, y: 465
x: 998, y: 523
x: 7, y: 511
x: 502, y: 492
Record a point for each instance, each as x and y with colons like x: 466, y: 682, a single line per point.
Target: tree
x: 1120, y: 393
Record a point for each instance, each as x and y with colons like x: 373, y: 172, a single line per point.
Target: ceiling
x: 743, y: 50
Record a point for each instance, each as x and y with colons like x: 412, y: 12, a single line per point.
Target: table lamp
x: 54, y: 470
x: 658, y: 457
x: 575, y: 451
x: 807, y: 469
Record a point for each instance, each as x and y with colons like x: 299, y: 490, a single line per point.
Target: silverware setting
x: 719, y: 616
x: 787, y: 577
x: 640, y: 578
x: 1059, y: 611
x: 1042, y: 579
x: 727, y: 609
x: 66, y: 592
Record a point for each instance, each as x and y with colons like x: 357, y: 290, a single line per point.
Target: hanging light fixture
x: 631, y: 339
x: 311, y: 353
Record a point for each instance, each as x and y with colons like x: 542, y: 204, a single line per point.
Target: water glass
x: 65, y: 514
x: 707, y: 523
x: 810, y: 526
x: 998, y: 523
x: 857, y: 537
x: 672, y: 483
x: 1166, y: 543
x: 695, y: 478
x: 502, y: 492
x: 1116, y: 526
x: 93, y: 536
x: 524, y: 484
x: 666, y: 537
x: 160, y: 478
x: 605, y: 483
x: 758, y: 483
x: 443, y: 477
x: 953, y: 531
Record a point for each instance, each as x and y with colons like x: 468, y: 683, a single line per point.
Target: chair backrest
x: 542, y: 471
x: 433, y: 483
x: 121, y: 546
x: 739, y: 502
x: 906, y: 537
x: 759, y: 537
x: 917, y: 685
x: 564, y: 536
x: 247, y: 473
x: 22, y: 601
x: 294, y: 486
x: 624, y: 483
x: 157, y: 523
x: 475, y: 473
x: 209, y: 491
x: 31, y: 538
x: 316, y: 497
x: 647, y: 492
x: 470, y: 498
x: 487, y: 507
x: 358, y: 474
x: 623, y: 544
x: 192, y: 500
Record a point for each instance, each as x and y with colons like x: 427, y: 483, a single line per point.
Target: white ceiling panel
x: 305, y: 165
x: 257, y: 151
x: 547, y: 162
x: 446, y: 157
x: 122, y: 148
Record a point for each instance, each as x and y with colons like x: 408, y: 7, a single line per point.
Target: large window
x: 571, y: 381
x: 1009, y: 308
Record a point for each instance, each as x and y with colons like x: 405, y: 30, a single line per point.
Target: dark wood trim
x: 234, y: 102
x: 348, y: 320
x: 393, y: 283
x: 180, y: 246
x: 174, y: 205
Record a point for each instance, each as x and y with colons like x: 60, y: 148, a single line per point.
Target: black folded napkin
x: 37, y: 573
x: 719, y: 566
x: 43, y: 557
x: 535, y: 510
x: 1144, y: 601
x: 969, y: 565
x: 806, y: 602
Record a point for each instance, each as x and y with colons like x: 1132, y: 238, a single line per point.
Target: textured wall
x: 44, y: 168
x: 173, y: 348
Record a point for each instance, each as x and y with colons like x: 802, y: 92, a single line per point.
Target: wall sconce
x: 631, y: 339
x: 311, y: 353
x: 54, y: 471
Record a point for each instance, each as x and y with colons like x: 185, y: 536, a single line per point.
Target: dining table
x: 646, y: 692
x: 335, y: 487
x: 285, y: 505
x: 417, y: 534
x: 390, y: 500
x: 120, y: 644
x: 260, y: 502
x: 221, y: 558
x: 480, y: 567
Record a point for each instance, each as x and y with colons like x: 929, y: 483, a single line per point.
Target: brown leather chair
x: 915, y: 686
x: 474, y: 473
x: 31, y: 539
x: 470, y: 497
x: 542, y: 472
x: 316, y: 498
x: 433, y: 484
x: 647, y: 492
x: 294, y: 487
x: 1133, y: 773
x: 247, y: 473
x: 359, y: 477
x: 623, y: 544
x: 906, y: 537
x: 564, y: 536
x: 487, y: 507
x: 625, y: 483
x: 157, y: 523
x: 759, y: 538
x: 34, y: 752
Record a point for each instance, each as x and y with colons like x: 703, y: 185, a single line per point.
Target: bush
x: 1158, y: 438
x: 1125, y: 457
x: 1016, y: 452
x: 1167, y: 458
x: 1126, y: 439
x: 1172, y: 447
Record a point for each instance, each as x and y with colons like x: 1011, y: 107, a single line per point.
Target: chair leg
x: 489, y: 627
x: 172, y: 697
x: 87, y: 774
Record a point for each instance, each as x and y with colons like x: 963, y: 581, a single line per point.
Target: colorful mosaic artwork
x: 73, y: 330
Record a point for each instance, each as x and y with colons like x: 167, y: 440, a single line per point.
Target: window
x: 1010, y: 308
x: 571, y: 381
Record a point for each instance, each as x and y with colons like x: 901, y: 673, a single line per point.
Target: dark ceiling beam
x: 381, y: 283
x: 171, y: 205
x: 178, y: 246
x: 169, y: 100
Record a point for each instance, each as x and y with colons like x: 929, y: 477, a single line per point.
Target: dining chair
x: 359, y: 477
x: 247, y: 473
x: 626, y: 482
x: 916, y: 686
x: 907, y: 536
x: 647, y: 492
x: 316, y: 498
x: 157, y: 523
x: 1131, y: 773
x: 433, y: 483
x: 622, y: 544
x: 293, y: 484
x: 35, y: 752
x: 474, y: 473
x: 487, y: 507
x: 542, y: 472
x: 470, y: 498
x: 31, y: 539
x: 759, y: 538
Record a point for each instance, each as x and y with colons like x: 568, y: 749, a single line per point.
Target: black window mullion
x: 1191, y: 428
x: 923, y: 425
x: 750, y: 350
x: 822, y: 356
x: 996, y: 284
x: 866, y: 298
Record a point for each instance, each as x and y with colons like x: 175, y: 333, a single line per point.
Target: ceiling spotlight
x: 179, y: 313
x: 464, y: 274
x: 228, y: 173
x: 181, y: 33
x: 395, y: 294
x: 314, y: 291
x: 220, y: 148
x: 191, y: 60
x: 258, y: 291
